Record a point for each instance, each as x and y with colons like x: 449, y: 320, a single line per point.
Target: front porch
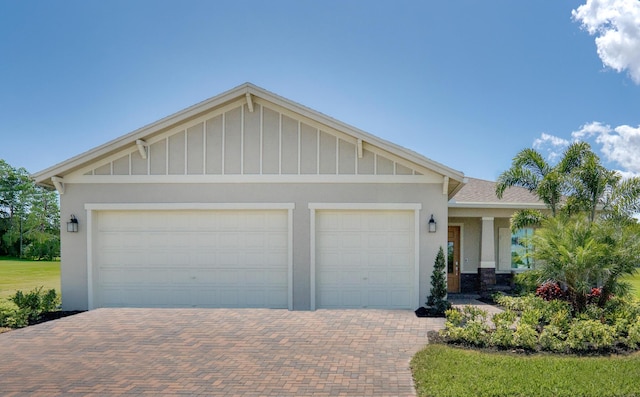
x: 483, y: 254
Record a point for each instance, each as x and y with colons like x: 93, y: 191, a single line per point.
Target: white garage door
x: 365, y: 259
x: 209, y: 258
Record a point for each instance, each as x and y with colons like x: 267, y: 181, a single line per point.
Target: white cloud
x: 616, y: 24
x: 620, y: 145
x: 550, y: 145
x: 595, y: 128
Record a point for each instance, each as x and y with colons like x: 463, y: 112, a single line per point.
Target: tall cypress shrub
x: 436, y: 301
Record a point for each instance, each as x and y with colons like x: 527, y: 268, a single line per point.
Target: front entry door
x: 453, y: 259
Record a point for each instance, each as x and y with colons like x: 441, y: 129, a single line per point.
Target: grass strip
x: 446, y: 371
x: 634, y: 280
x: 26, y: 275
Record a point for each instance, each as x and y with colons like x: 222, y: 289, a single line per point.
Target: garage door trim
x: 415, y: 207
x: 92, y: 207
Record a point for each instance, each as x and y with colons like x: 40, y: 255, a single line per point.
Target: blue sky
x: 464, y: 82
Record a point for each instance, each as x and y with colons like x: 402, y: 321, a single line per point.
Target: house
x: 251, y: 200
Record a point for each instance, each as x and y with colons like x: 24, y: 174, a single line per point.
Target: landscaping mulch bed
x: 426, y: 312
x: 48, y: 316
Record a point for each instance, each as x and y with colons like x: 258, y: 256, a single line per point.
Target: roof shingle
x: 481, y: 191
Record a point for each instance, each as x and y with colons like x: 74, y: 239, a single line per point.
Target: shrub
x: 560, y: 319
x: 525, y: 337
x: 11, y: 316
x: 454, y: 318
x: 436, y: 301
x: 504, y: 319
x: 553, y: 339
x: 586, y: 335
x: 531, y: 317
x: 591, y: 312
x: 36, y: 302
x: 556, y: 312
x: 633, y: 336
x: 520, y: 304
x: 468, y: 325
x: 548, y: 325
x: 550, y: 291
x: 472, y: 313
x: 502, y: 337
x: 526, y: 282
x: 503, y: 334
x: 476, y: 333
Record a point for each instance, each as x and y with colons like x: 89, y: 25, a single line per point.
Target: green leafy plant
x: 588, y: 335
x: 36, y: 302
x: 526, y: 282
x: 534, y: 324
x: 525, y: 337
x: 503, y: 335
x: 553, y: 339
x: 468, y: 326
x: 633, y: 335
x: 11, y: 316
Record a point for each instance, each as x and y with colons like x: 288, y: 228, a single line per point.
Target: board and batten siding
x: 266, y: 141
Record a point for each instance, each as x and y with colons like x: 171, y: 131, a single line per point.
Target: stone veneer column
x: 487, y: 269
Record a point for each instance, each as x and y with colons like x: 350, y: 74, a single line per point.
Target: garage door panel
x: 399, y: 297
x: 217, y: 258
x: 400, y: 278
x: 365, y: 258
x: 378, y: 299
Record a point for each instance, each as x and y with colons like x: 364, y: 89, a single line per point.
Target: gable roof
x: 249, y: 91
x: 479, y: 193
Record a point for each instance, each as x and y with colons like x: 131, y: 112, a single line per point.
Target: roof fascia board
x: 496, y: 205
x: 454, y: 187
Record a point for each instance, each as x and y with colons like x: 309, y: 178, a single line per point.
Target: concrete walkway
x: 215, y: 352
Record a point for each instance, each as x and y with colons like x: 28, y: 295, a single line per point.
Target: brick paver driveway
x: 218, y: 352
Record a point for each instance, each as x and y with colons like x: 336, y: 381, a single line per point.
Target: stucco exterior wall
x: 472, y: 240
x: 74, y: 251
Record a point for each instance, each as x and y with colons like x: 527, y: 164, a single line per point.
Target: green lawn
x: 441, y: 370
x: 27, y: 275
x: 635, y: 283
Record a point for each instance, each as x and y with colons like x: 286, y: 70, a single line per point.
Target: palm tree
x: 580, y: 254
x: 622, y: 202
x: 589, y: 184
x: 531, y: 171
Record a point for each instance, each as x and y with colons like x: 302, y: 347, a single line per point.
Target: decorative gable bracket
x: 143, y: 148
x: 58, y: 183
x: 249, y: 102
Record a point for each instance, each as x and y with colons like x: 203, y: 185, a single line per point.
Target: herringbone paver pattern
x: 215, y: 352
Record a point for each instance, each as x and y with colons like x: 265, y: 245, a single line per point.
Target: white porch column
x: 487, y: 269
x: 488, y: 246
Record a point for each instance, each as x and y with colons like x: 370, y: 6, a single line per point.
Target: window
x: 521, y: 249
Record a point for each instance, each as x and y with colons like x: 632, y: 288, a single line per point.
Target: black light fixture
x: 432, y: 225
x: 72, y: 225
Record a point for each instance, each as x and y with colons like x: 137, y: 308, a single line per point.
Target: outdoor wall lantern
x: 432, y: 225
x: 72, y: 225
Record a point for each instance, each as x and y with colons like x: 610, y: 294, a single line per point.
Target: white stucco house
x: 251, y: 200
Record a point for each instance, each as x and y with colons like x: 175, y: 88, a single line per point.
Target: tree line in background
x: 29, y: 216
